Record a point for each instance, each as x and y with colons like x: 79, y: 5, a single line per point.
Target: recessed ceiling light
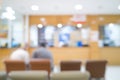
x: 78, y: 7
x: 59, y: 25
x: 119, y: 7
x: 79, y: 25
x: 111, y: 24
x: 6, y: 15
x: 42, y: 19
x: 35, y: 7
x: 101, y: 18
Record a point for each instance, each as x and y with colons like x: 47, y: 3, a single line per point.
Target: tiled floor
x: 112, y: 72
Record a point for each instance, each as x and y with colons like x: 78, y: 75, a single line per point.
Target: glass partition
x: 65, y: 36
x: 33, y: 36
x: 109, y: 35
x: 3, y: 33
x: 42, y: 34
x: 49, y: 35
x: 17, y: 33
x: 11, y: 28
x: 72, y: 36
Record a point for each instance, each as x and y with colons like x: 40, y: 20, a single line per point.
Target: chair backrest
x: 70, y: 75
x: 40, y: 64
x: 96, y: 68
x: 13, y: 65
x: 28, y: 75
x: 70, y: 65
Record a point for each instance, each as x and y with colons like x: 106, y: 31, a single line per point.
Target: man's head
x: 42, y: 44
x: 25, y: 46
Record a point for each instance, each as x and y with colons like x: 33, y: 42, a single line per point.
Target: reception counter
x: 71, y: 53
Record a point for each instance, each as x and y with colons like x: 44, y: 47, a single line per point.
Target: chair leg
x: 94, y: 79
x: 102, y: 78
x: 98, y: 79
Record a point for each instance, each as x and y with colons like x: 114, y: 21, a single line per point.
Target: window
x: 109, y: 35
x: 65, y: 36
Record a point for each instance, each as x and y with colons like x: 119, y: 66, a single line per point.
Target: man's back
x: 20, y: 54
x: 43, y: 53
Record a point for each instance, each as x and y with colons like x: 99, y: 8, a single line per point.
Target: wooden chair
x: 14, y: 65
x: 96, y: 68
x: 40, y: 64
x: 70, y: 65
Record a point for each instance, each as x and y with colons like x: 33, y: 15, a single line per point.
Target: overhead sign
x: 79, y: 18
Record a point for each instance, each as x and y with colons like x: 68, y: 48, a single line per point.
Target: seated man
x: 21, y: 54
x: 43, y: 53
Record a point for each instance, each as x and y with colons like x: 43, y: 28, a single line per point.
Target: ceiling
x: 58, y: 7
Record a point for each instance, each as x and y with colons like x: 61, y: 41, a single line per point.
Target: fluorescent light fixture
x: 78, y: 7
x: 35, y: 7
x: 12, y: 18
x: 40, y: 25
x: 6, y: 15
x: 10, y: 10
x: 59, y: 25
x: 79, y: 25
x: 111, y: 24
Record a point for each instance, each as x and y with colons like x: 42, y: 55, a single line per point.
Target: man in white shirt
x: 21, y: 54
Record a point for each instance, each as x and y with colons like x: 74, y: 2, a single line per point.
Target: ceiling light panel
x: 35, y: 7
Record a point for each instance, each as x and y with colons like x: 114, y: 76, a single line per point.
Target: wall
x: 92, y: 52
x: 51, y: 19
x: 111, y: 54
x: 94, y: 21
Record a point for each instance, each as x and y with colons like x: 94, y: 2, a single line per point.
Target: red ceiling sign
x: 79, y: 18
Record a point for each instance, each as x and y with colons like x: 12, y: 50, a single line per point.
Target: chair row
x: 95, y: 67
x: 35, y: 64
x: 43, y: 75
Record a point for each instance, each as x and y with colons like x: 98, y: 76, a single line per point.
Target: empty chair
x: 28, y: 75
x: 70, y: 75
x: 13, y: 65
x: 70, y: 65
x: 40, y: 64
x: 96, y: 68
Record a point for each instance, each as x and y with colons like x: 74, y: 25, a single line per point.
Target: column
x: 26, y: 31
x: 94, y: 37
